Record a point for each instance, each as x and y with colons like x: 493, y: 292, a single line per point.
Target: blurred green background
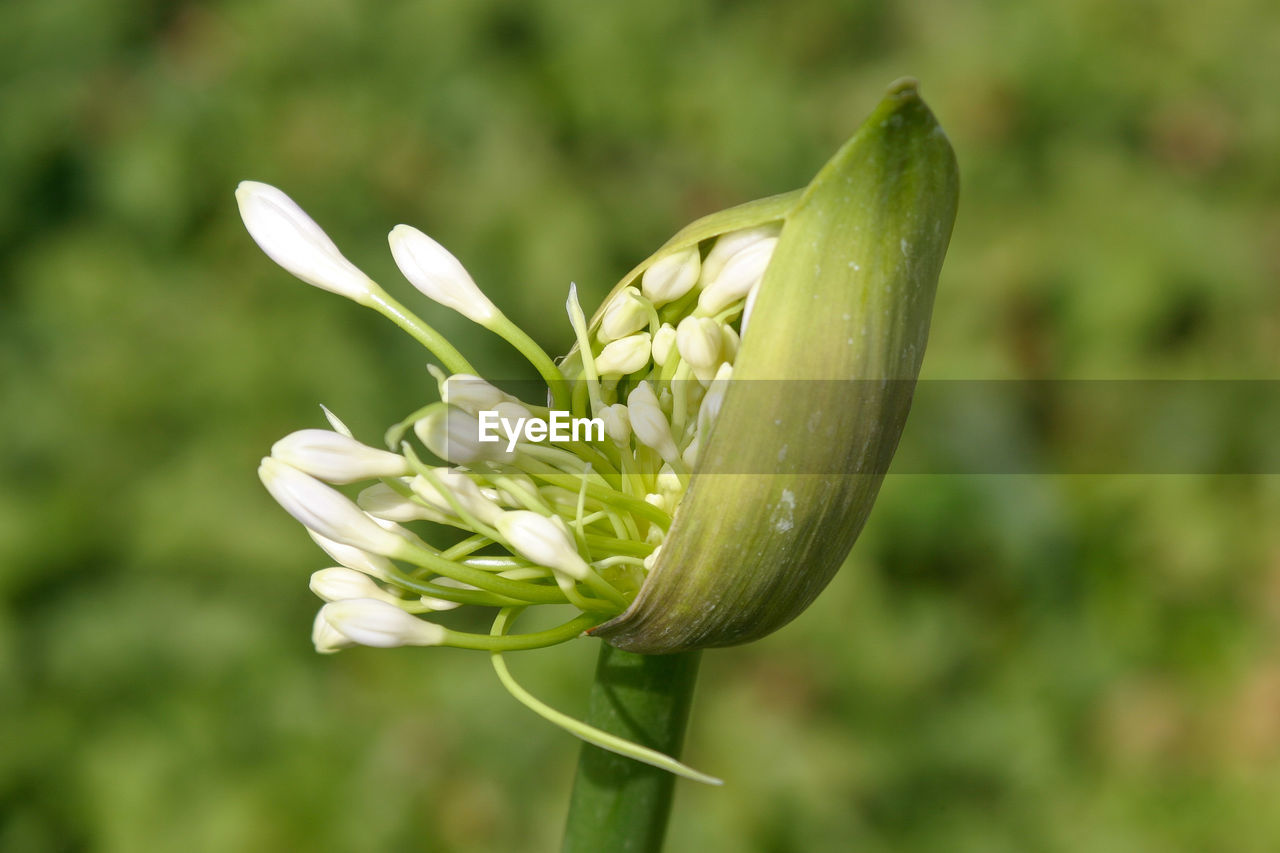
x: 1007, y: 663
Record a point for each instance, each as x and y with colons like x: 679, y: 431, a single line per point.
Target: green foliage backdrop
x: 1008, y: 663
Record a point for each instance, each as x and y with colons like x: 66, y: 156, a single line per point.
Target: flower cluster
x: 556, y: 522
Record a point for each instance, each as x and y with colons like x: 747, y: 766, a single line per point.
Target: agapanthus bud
x: 339, y: 583
x: 438, y: 274
x: 649, y: 423
x: 382, y: 501
x: 699, y: 341
x: 545, y: 541
x: 669, y: 278
x: 295, y: 242
x: 618, y: 358
x: 617, y: 423
x: 326, y: 638
x: 336, y: 458
x: 374, y: 565
x: 371, y: 622
x: 454, y: 435
x: 326, y: 511
x: 741, y: 272
x: 463, y: 489
x: 844, y: 273
x: 625, y: 315
x: 471, y: 393
x: 664, y: 342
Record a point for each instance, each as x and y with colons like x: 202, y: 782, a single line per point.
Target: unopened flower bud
x: 295, y: 242
x: 471, y: 393
x: 326, y: 638
x: 699, y: 341
x: 438, y: 274
x: 741, y: 272
x: 649, y: 423
x: 463, y: 489
x: 617, y: 423
x: 325, y: 510
x: 671, y: 277
x: 545, y: 541
x: 664, y: 342
x: 339, y: 583
x: 625, y: 315
x: 618, y: 358
x: 454, y: 435
x: 336, y: 458
x: 372, y: 622
x: 382, y: 501
x: 374, y: 565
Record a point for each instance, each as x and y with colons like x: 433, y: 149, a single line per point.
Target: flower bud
x: 339, y: 584
x: 664, y: 341
x: 295, y: 242
x: 699, y: 341
x: 371, y: 622
x: 336, y: 458
x: 625, y: 315
x: 454, y: 435
x: 741, y: 272
x: 463, y: 489
x: 373, y: 565
x: 438, y: 274
x: 649, y: 423
x: 326, y: 638
x: 326, y: 511
x: 618, y: 358
x: 786, y: 478
x: 671, y: 277
x: 617, y: 423
x: 471, y: 393
x: 545, y: 541
x: 382, y: 501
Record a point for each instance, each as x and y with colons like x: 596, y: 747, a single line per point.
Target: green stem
x: 617, y: 802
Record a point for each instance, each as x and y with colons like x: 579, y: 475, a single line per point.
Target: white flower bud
x: 463, y: 489
x: 471, y: 393
x: 336, y: 458
x: 617, y: 423
x: 728, y: 245
x: 439, y: 275
x: 354, y: 558
x: 699, y: 340
x: 295, y: 242
x: 382, y: 501
x: 649, y: 423
x: 545, y: 541
x: 671, y: 277
x: 371, y: 622
x: 326, y: 511
x: 454, y: 435
x: 625, y: 315
x: 326, y: 638
x: 340, y: 583
x: 624, y: 356
x: 664, y: 341
x: 741, y: 272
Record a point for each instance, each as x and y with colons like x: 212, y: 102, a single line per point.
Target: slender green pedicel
x: 746, y: 385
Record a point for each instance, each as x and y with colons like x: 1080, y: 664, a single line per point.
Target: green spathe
x: 847, y: 296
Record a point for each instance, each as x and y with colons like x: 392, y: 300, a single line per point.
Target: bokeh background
x: 1007, y: 663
